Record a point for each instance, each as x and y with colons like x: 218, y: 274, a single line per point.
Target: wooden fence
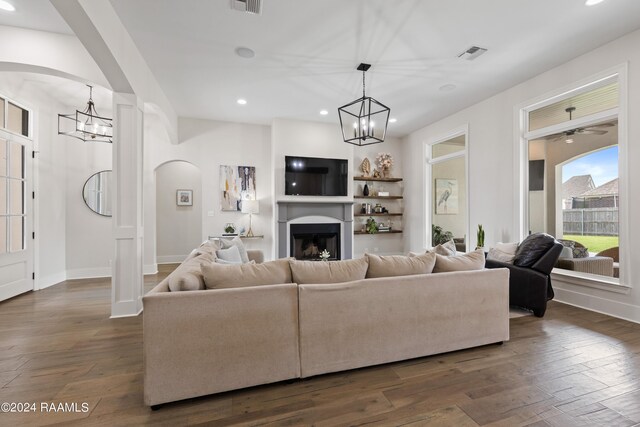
x: 590, y: 222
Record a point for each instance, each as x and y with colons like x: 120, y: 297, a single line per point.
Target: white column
x: 127, y: 282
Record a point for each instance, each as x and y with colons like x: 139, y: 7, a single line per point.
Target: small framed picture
x: 184, y: 197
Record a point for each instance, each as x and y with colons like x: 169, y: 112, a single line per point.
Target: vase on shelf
x: 365, y: 190
x: 386, y: 173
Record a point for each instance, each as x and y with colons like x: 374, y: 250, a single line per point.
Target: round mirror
x: 97, y: 193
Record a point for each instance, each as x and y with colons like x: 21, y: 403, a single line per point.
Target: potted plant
x: 372, y: 226
x: 438, y: 236
x: 480, y: 237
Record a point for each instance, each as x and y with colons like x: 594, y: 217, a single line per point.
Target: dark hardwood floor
x: 573, y: 367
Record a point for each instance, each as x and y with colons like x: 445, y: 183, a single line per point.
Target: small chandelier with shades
x: 86, y: 125
x: 364, y: 121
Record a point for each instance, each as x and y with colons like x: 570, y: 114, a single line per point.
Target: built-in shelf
x: 379, y: 232
x: 380, y: 214
x: 370, y: 178
x: 378, y: 197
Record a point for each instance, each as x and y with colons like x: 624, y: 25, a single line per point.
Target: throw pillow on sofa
x: 467, y: 262
x: 400, y: 265
x: 230, y: 255
x: 496, y: 254
x: 446, y: 248
x: 208, y: 247
x: 219, y: 276
x: 237, y: 242
x: 188, y: 275
x: 309, y: 272
x: 532, y: 249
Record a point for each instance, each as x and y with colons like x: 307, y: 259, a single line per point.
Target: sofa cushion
x: 230, y: 255
x: 218, y: 276
x: 446, y: 248
x: 188, y: 275
x: 469, y: 261
x: 496, y: 254
x: 532, y: 249
x: 306, y: 272
x: 400, y: 265
x: 507, y: 248
x: 237, y: 242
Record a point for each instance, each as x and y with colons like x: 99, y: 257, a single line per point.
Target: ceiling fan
x: 568, y: 134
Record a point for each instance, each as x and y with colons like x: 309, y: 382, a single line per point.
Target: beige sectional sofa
x: 208, y: 341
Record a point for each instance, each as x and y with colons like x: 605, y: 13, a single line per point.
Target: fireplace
x: 307, y: 241
x: 335, y: 222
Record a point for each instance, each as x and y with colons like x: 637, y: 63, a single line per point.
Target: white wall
x: 178, y: 228
x: 207, y: 144
x: 89, y: 236
x: 492, y: 167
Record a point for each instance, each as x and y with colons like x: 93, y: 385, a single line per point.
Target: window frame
x: 522, y: 136
x: 427, y: 217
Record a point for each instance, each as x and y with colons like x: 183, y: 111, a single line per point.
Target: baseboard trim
x: 52, y: 279
x: 597, y: 304
x: 88, y: 273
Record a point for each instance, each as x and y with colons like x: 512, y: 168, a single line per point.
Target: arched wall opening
x: 178, y: 187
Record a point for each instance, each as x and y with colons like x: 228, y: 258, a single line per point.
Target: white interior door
x: 16, y: 215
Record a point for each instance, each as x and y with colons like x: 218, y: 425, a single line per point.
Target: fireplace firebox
x: 307, y: 241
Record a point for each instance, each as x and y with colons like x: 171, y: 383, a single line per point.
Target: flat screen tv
x: 311, y: 176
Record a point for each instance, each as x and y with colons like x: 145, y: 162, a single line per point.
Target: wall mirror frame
x: 447, y: 173
x: 96, y: 193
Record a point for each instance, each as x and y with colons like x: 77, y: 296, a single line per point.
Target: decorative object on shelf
x: 439, y: 236
x: 184, y: 197
x: 365, y: 190
x: 325, y: 255
x: 384, y: 162
x: 383, y: 194
x: 376, y: 173
x: 384, y: 228
x: 364, y: 121
x: 446, y: 196
x: 237, y: 183
x: 86, y: 125
x: 377, y: 208
x: 97, y: 193
x: 365, y: 167
x: 250, y: 207
x: 372, y: 226
x: 364, y: 208
x: 229, y: 228
x: 480, y: 237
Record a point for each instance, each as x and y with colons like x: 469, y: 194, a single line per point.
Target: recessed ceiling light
x: 393, y: 120
x: 447, y: 88
x: 593, y: 2
x: 323, y: 112
x: 245, y: 52
x: 5, y: 5
x: 241, y: 101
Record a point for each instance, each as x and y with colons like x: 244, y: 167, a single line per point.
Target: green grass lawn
x: 595, y: 244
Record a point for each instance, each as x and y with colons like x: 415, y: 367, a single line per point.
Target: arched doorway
x: 178, y: 210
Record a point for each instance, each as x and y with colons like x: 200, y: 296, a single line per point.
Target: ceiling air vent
x: 472, y: 53
x: 248, y: 6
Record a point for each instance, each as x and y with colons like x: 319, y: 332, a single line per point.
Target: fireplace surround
x: 335, y: 214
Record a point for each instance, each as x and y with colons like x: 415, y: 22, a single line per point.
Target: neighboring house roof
x: 607, y: 189
x: 577, y: 185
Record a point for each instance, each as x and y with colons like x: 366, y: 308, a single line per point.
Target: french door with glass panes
x: 16, y: 215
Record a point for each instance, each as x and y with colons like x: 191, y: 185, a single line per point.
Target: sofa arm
x: 255, y: 255
x: 202, y: 342
x: 546, y: 263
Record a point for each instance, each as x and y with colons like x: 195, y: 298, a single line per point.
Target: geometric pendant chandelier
x: 86, y: 125
x: 364, y: 121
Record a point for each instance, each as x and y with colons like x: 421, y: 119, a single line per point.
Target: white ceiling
x: 307, y: 51
x: 34, y: 14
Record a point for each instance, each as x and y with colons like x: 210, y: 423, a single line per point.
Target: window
x: 12, y: 197
x: 573, y: 178
x: 447, y: 201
